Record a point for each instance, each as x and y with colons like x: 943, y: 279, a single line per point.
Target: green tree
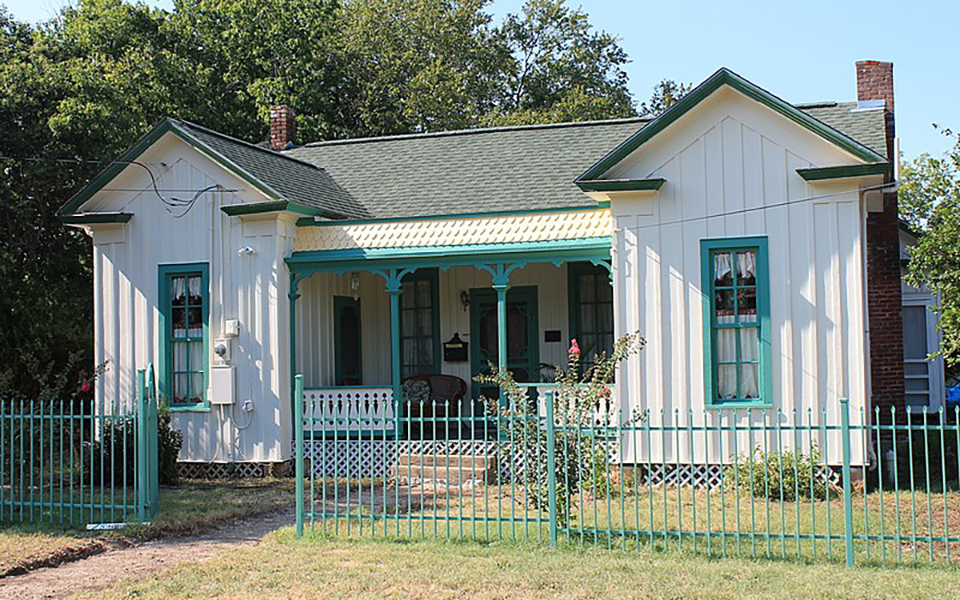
x: 75, y: 92
x: 929, y: 200
x: 562, y: 69
x: 665, y: 94
x: 419, y: 65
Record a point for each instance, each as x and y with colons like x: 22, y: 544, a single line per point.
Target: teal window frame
x: 339, y: 304
x: 574, y: 272
x: 165, y: 380
x: 433, y: 276
x: 709, y: 248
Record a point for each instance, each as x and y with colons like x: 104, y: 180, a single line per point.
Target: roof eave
x: 725, y: 77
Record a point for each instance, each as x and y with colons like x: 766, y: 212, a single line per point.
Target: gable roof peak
x: 725, y: 77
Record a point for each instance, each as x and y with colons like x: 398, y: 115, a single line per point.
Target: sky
x: 800, y: 51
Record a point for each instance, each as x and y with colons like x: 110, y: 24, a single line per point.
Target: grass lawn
x: 724, y: 522
x: 323, y: 567
x: 187, y: 508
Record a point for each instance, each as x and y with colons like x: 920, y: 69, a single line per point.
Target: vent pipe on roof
x: 283, y: 127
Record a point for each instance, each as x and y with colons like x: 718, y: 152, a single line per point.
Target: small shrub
x: 119, y: 446
x: 779, y: 475
x: 582, y: 438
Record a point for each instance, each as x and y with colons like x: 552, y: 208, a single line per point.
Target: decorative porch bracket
x: 394, y: 284
x: 501, y: 283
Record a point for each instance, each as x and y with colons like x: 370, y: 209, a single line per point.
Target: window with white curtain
x: 736, y: 287
x: 184, y: 339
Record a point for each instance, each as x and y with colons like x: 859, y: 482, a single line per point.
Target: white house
x: 752, y: 242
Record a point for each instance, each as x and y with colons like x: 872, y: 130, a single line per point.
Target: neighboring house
x: 749, y: 240
x: 923, y: 377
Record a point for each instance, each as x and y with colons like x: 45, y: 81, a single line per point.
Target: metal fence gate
x: 753, y: 482
x: 66, y: 462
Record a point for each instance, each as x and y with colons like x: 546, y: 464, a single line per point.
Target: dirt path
x: 110, y: 567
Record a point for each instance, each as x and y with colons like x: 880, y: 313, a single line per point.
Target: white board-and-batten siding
x: 249, y: 286
x: 730, y: 170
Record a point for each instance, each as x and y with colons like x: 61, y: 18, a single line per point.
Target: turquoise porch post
x: 501, y: 325
x: 395, y: 355
x: 394, y: 285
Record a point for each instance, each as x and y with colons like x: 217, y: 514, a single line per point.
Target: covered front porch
x: 372, y: 329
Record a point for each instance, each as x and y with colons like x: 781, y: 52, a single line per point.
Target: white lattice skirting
x: 375, y: 458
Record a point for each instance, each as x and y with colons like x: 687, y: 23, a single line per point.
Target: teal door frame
x: 490, y: 296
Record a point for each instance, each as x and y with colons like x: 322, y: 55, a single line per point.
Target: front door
x: 523, y: 351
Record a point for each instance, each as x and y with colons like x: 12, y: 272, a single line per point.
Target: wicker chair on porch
x: 446, y: 390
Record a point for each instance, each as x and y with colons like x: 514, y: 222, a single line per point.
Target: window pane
x: 723, y: 305
x: 178, y: 294
x: 178, y: 318
x: 749, y: 381
x: 747, y: 305
x: 917, y: 385
x: 195, y: 324
x: 407, y: 294
x: 587, y: 288
x: 750, y: 344
x: 918, y: 400
x: 424, y: 297
x: 604, y: 289
x: 196, y: 356
x: 726, y: 382
x: 723, y: 269
x: 197, y: 389
x: 425, y: 322
x: 180, y: 383
x: 915, y: 368
x: 605, y: 318
x: 747, y: 268
x: 914, y: 332
x: 726, y: 350
x: 588, y: 321
x: 195, y: 290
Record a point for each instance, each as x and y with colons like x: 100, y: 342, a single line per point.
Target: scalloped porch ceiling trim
x: 458, y: 231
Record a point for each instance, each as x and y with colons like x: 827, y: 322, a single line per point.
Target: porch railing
x: 349, y: 409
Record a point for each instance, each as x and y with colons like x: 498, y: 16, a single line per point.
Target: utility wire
x: 171, y: 204
x: 743, y: 211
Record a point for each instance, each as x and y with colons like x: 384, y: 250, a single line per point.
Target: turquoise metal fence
x: 869, y: 487
x: 68, y: 463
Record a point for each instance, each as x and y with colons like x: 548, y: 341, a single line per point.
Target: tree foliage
x: 665, y: 94
x: 78, y: 90
x: 929, y: 200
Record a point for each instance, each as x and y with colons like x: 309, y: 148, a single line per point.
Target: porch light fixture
x: 355, y: 285
x: 465, y: 300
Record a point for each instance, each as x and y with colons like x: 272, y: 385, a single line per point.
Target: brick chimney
x: 884, y: 303
x: 283, y: 127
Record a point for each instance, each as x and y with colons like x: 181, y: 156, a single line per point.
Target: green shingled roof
x: 460, y: 172
x: 473, y: 171
x: 278, y: 176
x: 294, y: 180
x: 496, y: 170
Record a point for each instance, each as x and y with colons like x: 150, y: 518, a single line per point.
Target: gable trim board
x: 725, y: 77
x: 106, y: 218
x: 621, y: 185
x: 256, y: 208
x: 845, y: 171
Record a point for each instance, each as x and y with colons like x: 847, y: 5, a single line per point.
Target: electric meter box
x: 222, y: 384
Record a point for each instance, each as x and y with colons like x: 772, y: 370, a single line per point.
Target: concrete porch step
x: 451, y: 468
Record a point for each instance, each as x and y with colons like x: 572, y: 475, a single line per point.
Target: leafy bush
x: 583, y: 444
x: 119, y: 446
x: 781, y: 475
